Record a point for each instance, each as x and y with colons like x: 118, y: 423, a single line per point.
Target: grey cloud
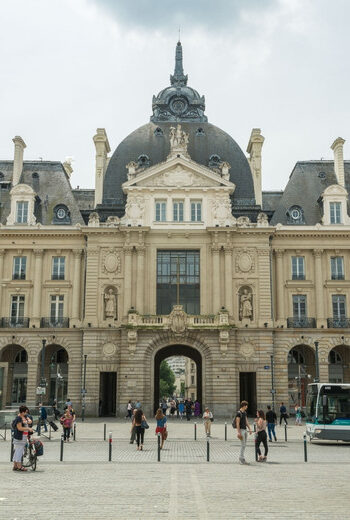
x: 164, y: 14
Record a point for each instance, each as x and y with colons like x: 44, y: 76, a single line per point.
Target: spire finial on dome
x: 178, y: 79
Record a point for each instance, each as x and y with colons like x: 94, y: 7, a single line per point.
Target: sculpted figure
x: 245, y: 307
x: 110, y: 304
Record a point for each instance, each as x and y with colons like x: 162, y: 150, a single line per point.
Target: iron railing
x: 338, y: 323
x: 54, y: 322
x: 301, y: 323
x: 16, y: 322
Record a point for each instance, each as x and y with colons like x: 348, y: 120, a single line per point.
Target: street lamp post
x: 84, y: 390
x: 43, y: 380
x: 317, y: 362
x: 272, y: 382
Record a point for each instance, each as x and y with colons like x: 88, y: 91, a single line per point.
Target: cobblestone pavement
x: 183, y: 485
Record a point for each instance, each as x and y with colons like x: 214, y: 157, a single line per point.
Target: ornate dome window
x: 200, y: 131
x: 158, y: 132
x: 61, y: 215
x: 35, y: 175
x: 322, y: 175
x: 214, y: 161
x: 295, y: 215
x: 143, y: 161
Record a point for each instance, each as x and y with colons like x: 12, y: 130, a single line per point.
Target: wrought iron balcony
x: 298, y: 277
x: 15, y: 322
x: 301, y: 323
x: 54, y: 323
x: 338, y: 323
x: 338, y: 277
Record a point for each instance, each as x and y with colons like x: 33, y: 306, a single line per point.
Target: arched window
x: 296, y: 357
x: 295, y: 215
x: 214, y: 161
x: 21, y: 357
x: 335, y: 358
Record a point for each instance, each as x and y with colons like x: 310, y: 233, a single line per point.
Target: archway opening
x: 55, y: 375
x: 339, y: 364
x: 190, y: 360
x: 14, y: 369
x: 301, y: 372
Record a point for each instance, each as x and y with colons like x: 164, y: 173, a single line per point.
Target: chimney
x: 337, y: 148
x: 20, y: 145
x: 102, y: 149
x: 255, y: 144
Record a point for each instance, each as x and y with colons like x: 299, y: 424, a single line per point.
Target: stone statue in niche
x: 110, y: 305
x: 245, y: 304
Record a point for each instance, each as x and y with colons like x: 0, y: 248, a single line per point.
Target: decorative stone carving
x: 224, y: 338
x: 134, y: 211
x: 177, y: 320
x: 245, y: 261
x: 262, y: 220
x: 131, y: 167
x: 113, y: 221
x: 225, y: 170
x: 110, y: 304
x: 243, y: 221
x: 112, y: 262
x: 109, y: 349
x: 178, y: 141
x: 222, y: 212
x: 245, y: 304
x: 132, y: 341
x: 94, y: 219
x: 246, y: 350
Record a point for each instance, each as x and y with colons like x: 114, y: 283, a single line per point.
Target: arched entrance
x: 55, y: 374
x: 301, y: 372
x: 14, y: 362
x: 177, y: 350
x: 339, y: 364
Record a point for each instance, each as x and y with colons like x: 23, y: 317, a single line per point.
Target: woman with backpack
x: 66, y: 421
x: 21, y: 430
x: 139, y: 422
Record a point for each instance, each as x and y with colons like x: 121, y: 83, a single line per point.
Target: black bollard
x: 5, y: 432
x: 74, y: 432
x: 110, y: 447
x: 158, y: 447
x: 104, y: 431
x: 285, y: 432
x: 195, y: 431
x: 39, y: 427
x: 61, y: 450
x: 225, y: 431
x: 305, y: 448
x: 256, y: 448
x: 208, y: 451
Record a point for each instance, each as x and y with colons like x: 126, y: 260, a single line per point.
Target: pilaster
x: 37, y: 286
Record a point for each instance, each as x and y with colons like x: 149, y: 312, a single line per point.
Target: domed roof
x: 150, y: 144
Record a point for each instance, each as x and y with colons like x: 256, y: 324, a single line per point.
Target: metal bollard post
x: 305, y: 448
x: 225, y: 431
x: 110, y: 447
x: 39, y: 427
x: 74, y: 432
x: 5, y: 432
x: 256, y: 448
x: 285, y: 432
x: 158, y: 447
x: 195, y: 431
x: 208, y: 451
x: 104, y: 431
x: 61, y: 450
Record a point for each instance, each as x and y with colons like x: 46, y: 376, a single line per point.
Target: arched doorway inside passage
x: 177, y: 350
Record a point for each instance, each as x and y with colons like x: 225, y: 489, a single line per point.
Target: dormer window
x: 61, y: 215
x: 335, y: 212
x: 143, y: 161
x: 214, y: 161
x: 158, y: 132
x: 295, y: 215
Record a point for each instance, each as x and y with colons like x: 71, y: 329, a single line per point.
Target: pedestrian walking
x: 271, y: 419
x: 242, y: 424
x: 207, y: 420
x: 298, y: 421
x: 129, y: 410
x: 161, y: 426
x: 283, y: 414
x: 66, y: 421
x: 172, y: 407
x: 197, y: 408
x: 138, y: 420
x: 181, y: 408
x: 164, y: 406
x: 42, y: 418
x: 261, y: 436
x: 56, y: 411
x: 68, y: 403
x: 138, y: 405
x: 21, y: 430
x: 133, y: 429
x: 188, y: 409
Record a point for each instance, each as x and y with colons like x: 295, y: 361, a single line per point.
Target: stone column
x: 127, y: 278
x: 319, y: 288
x: 36, y: 304
x: 32, y: 379
x: 2, y: 253
x: 279, y: 306
x: 76, y: 315
x: 228, y: 280
x: 215, y: 250
x: 140, y: 279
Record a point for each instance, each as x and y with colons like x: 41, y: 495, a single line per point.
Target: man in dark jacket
x: 271, y: 419
x: 283, y: 414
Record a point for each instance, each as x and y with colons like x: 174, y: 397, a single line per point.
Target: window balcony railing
x: 14, y: 322
x: 338, y: 277
x: 298, y: 277
x: 301, y: 323
x: 54, y: 323
x: 338, y: 323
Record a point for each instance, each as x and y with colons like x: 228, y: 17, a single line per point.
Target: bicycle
x: 29, y: 455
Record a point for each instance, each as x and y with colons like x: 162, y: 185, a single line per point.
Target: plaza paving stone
x: 183, y: 485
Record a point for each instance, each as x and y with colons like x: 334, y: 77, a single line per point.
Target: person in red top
x: 66, y: 421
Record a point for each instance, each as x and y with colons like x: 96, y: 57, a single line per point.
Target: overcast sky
x: 70, y: 66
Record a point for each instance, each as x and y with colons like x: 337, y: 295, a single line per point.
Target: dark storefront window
x: 178, y: 281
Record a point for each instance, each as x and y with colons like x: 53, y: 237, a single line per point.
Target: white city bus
x: 328, y: 411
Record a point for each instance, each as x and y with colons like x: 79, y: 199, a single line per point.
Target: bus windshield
x: 311, y: 403
x: 333, y: 403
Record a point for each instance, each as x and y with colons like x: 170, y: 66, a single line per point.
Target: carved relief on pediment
x: 178, y: 177
x: 222, y: 212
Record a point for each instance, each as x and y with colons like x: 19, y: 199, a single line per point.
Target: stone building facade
x: 177, y: 251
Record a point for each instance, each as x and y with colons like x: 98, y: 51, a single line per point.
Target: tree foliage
x: 166, y: 380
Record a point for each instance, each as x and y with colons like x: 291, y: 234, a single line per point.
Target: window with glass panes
x: 339, y: 306
x: 21, y: 212
x: 178, y: 281
x: 17, y: 308
x: 19, y: 268
x: 337, y: 268
x: 160, y: 211
x: 56, y: 307
x: 299, y: 306
x: 178, y: 211
x: 58, y: 267
x: 335, y: 212
x: 298, y: 268
x: 196, y: 211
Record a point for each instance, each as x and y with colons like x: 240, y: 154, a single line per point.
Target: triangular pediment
x: 178, y: 173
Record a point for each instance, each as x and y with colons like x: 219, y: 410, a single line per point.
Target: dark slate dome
x: 150, y: 144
